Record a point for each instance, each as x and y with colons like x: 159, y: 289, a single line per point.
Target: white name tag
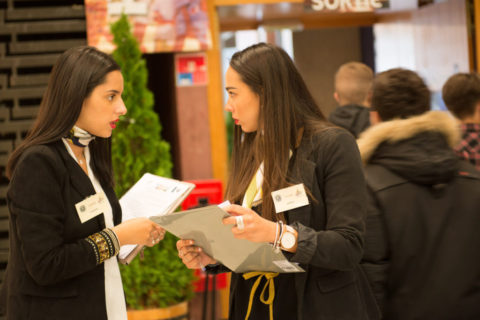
x: 290, y: 198
x: 92, y: 206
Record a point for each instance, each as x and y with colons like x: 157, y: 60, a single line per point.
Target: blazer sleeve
x: 376, y: 258
x: 37, y: 211
x: 342, y: 201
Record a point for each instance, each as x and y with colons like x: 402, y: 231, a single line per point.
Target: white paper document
x: 152, y: 195
x: 204, y: 226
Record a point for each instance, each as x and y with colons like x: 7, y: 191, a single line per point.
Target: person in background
x: 65, y: 229
x: 282, y: 139
x: 353, y: 84
x: 461, y: 94
x: 421, y: 242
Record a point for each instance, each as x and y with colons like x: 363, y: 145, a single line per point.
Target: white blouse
x: 114, y: 296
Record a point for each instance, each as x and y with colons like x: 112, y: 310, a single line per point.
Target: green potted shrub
x: 160, y: 279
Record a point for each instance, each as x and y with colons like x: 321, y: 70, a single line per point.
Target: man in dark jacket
x: 353, y: 84
x: 461, y: 94
x: 422, y: 235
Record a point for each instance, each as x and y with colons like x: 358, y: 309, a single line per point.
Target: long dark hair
x: 74, y: 76
x: 286, y: 106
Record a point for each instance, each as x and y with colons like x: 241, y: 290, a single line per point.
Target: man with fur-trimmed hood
x: 422, y: 236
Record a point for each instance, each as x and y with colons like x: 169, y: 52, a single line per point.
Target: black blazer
x: 330, y: 230
x: 52, y: 271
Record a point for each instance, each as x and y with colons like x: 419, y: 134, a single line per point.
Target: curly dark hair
x: 461, y: 94
x: 399, y: 93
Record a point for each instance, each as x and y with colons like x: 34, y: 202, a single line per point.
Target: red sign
x: 191, y: 69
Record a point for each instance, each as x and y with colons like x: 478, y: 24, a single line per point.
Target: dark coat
x: 52, y: 271
x: 353, y: 117
x: 422, y: 241
x: 330, y: 229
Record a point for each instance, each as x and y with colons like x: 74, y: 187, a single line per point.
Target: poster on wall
x: 158, y: 25
x: 191, y: 69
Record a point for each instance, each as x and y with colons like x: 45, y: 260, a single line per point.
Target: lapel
x: 78, y: 179
x: 301, y: 170
x: 116, y: 209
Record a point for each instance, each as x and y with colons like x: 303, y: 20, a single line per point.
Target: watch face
x: 288, y: 240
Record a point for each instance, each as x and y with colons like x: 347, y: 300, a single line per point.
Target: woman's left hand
x: 255, y: 228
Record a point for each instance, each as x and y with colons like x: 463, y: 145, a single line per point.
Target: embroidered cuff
x: 113, y: 236
x: 105, y: 244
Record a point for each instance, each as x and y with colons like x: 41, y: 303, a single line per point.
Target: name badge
x: 92, y: 206
x: 287, y: 266
x: 290, y: 198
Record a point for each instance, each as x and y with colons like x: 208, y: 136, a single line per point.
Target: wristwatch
x: 288, y: 240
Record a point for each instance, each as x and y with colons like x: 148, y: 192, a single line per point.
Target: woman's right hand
x: 192, y: 256
x: 140, y: 231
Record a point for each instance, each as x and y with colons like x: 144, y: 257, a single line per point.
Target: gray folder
x: 204, y: 226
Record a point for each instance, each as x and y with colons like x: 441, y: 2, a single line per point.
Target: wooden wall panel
x: 475, y: 40
x: 441, y: 41
x: 318, y: 55
x: 216, y: 120
x: 432, y: 40
x: 193, y: 133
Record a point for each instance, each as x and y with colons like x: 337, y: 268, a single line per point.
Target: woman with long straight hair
x: 65, y: 229
x: 281, y: 140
